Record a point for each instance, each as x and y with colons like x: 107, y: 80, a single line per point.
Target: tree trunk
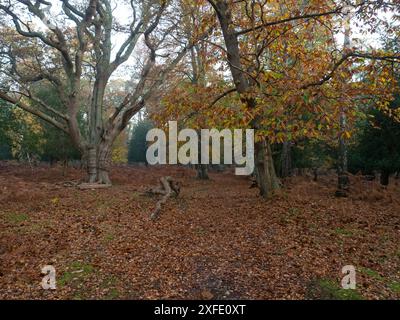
x: 104, y: 163
x: 265, y: 172
x: 202, y: 172
x: 267, y: 180
x: 98, y: 163
x: 286, y: 160
x: 343, y: 177
x: 202, y: 169
x: 385, y: 177
x: 91, y: 158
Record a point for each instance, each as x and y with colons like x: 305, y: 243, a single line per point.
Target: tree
x: 24, y: 137
x: 378, y: 144
x: 120, y: 149
x: 21, y: 134
x: 274, y: 68
x: 188, y: 90
x: 56, y: 145
x: 75, y: 55
x: 7, y: 121
x: 283, y: 60
x: 378, y: 148
x: 286, y: 72
x: 138, y: 144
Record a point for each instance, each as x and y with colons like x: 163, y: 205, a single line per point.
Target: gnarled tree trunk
x: 91, y: 158
x: 104, y: 163
x: 98, y: 162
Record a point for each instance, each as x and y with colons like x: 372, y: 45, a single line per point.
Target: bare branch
x: 43, y: 104
x: 221, y: 96
x: 60, y: 45
x: 344, y: 58
x: 19, y: 103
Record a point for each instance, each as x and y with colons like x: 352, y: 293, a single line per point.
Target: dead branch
x: 92, y: 186
x: 68, y: 184
x: 168, y: 188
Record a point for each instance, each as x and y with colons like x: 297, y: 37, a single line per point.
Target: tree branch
x: 19, y: 103
x: 329, y: 76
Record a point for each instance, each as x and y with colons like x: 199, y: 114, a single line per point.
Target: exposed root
x: 168, y: 188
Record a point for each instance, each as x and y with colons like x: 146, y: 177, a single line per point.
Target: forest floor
x: 217, y: 240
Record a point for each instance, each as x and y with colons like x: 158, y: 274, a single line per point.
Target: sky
x: 123, y: 14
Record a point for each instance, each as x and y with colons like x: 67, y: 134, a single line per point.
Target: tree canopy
x: 282, y: 69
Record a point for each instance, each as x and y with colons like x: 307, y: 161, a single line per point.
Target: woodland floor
x: 218, y: 240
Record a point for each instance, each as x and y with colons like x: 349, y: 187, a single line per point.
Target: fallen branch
x: 168, y: 188
x: 68, y: 184
x: 92, y: 186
